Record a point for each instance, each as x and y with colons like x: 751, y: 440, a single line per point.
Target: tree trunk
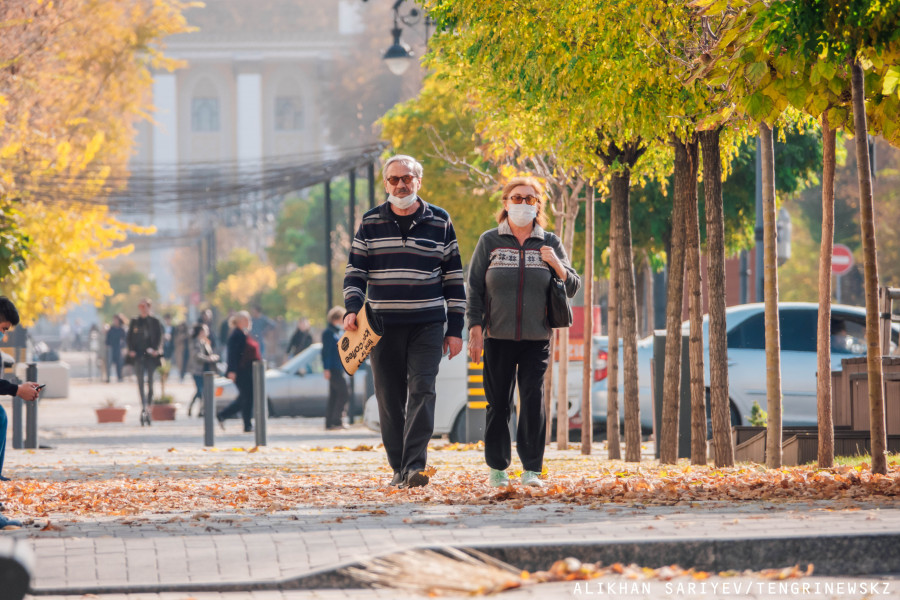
x: 613, y: 442
x: 562, y: 392
x: 718, y: 342
x: 695, y: 291
x: 823, y: 375
x: 870, y: 255
x: 567, y: 236
x: 548, y: 390
x: 587, y: 421
x: 554, y: 339
x: 620, y: 191
x: 667, y: 436
x: 770, y: 294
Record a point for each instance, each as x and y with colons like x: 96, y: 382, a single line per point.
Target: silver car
x: 297, y: 388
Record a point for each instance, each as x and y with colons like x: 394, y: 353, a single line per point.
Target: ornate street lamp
x: 398, y: 56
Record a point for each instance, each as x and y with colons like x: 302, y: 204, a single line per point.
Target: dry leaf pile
x: 306, y: 479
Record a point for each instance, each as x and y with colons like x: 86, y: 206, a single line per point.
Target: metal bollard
x: 260, y: 410
x: 17, y: 437
x: 31, y: 411
x: 209, y: 409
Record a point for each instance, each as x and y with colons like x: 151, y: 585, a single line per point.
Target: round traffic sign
x: 841, y: 259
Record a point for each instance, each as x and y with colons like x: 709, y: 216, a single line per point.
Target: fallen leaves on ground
x: 470, y: 572
x: 292, y: 482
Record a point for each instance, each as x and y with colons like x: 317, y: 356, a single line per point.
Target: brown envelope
x: 354, y: 346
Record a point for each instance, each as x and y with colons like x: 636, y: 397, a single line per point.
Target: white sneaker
x: 532, y: 479
x: 498, y: 478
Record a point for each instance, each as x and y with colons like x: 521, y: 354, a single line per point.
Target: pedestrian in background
x: 243, y: 351
x: 206, y: 318
x: 202, y: 359
x: 509, y: 278
x: 262, y: 326
x: 301, y: 339
x: 181, y: 338
x: 115, y: 347
x: 410, y: 247
x: 145, y: 348
x: 338, y: 393
x: 9, y: 317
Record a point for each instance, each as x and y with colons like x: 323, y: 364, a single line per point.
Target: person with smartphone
x: 9, y: 318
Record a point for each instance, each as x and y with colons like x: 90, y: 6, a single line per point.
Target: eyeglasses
x: 407, y: 179
x: 529, y: 200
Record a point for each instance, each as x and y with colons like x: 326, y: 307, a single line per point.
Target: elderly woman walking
x: 509, y: 277
x: 243, y: 351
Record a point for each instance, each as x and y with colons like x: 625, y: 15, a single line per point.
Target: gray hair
x: 242, y: 314
x: 414, y: 165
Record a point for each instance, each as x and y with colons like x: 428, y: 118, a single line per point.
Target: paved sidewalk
x: 228, y: 554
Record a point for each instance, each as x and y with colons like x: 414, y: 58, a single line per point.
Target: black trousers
x: 144, y: 368
x: 405, y: 363
x: 243, y: 403
x: 505, y: 362
x: 338, y: 395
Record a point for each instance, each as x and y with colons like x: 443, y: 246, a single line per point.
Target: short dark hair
x: 8, y: 311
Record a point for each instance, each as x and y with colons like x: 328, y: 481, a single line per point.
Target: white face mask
x: 521, y: 215
x: 402, y: 203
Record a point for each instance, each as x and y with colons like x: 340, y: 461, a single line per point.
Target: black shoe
x: 397, y: 480
x: 248, y: 430
x: 221, y: 422
x: 2, y: 478
x: 417, y: 479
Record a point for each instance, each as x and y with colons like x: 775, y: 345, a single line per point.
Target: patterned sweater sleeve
x: 573, y: 281
x: 453, y: 283
x: 477, y: 271
x: 356, y: 275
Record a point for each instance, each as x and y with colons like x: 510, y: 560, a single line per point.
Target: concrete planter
x: 111, y: 414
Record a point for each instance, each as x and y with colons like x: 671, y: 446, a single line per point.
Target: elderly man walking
x: 405, y: 261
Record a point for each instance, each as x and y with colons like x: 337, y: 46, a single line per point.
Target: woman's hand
x: 476, y: 344
x: 550, y: 257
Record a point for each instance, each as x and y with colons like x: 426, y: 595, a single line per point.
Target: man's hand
x: 231, y: 375
x: 327, y: 374
x: 131, y: 353
x: 454, y: 344
x: 476, y: 344
x: 27, y: 391
x: 350, y: 322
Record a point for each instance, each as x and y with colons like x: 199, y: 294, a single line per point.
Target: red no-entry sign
x: 841, y: 260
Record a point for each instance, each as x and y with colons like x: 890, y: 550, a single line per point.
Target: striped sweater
x: 412, y: 279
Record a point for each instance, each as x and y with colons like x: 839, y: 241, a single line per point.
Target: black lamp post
x: 398, y: 56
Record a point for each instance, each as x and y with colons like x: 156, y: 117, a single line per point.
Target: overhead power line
x: 197, y: 186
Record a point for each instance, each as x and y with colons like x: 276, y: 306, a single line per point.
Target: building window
x: 205, y: 114
x: 288, y: 113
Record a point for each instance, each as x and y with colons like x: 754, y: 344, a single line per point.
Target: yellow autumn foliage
x: 74, y: 78
x: 67, y: 247
x: 236, y: 291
